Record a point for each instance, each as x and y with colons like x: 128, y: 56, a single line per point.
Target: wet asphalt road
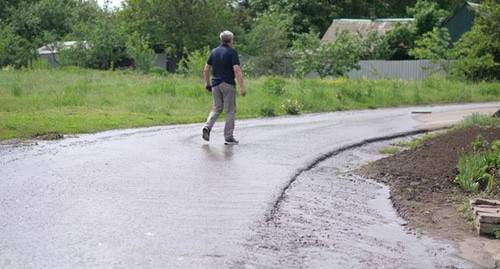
x: 163, y: 197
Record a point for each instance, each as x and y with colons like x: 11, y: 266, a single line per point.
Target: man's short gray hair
x: 226, y: 37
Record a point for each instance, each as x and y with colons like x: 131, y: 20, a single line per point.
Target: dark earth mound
x: 422, y: 187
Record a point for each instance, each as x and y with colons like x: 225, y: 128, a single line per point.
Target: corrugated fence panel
x: 161, y: 60
x: 408, y: 70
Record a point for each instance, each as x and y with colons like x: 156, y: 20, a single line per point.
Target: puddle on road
x: 331, y: 218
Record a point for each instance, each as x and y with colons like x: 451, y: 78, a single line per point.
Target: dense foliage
x: 313, y: 56
x: 270, y: 35
x: 479, y: 49
x: 477, y: 53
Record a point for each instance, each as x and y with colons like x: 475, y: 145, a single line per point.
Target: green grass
x: 389, y: 151
x: 479, y: 120
x: 80, y: 101
x: 417, y: 141
x: 480, y: 171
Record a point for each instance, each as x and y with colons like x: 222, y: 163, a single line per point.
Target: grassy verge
x: 480, y: 170
x: 81, y: 101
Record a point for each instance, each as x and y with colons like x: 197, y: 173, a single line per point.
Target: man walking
x: 225, y: 65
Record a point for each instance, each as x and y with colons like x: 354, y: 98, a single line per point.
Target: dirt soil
x: 424, y: 194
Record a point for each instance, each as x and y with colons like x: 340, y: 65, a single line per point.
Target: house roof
x: 361, y: 26
x: 474, y: 6
x: 55, y: 47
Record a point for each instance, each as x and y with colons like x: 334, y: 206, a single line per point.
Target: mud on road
x: 331, y: 218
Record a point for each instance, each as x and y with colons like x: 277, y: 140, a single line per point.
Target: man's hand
x: 243, y: 91
x: 208, y: 87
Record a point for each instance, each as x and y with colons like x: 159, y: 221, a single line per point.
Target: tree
x: 269, y: 41
x: 315, y: 16
x: 397, y: 42
x: 14, y: 49
x: 100, y: 44
x: 427, y: 16
x: 30, y: 24
x: 178, y: 26
x: 327, y: 59
x: 318, y: 15
x: 43, y: 21
x: 305, y: 51
x: 370, y: 46
x: 7, y: 7
x: 434, y: 46
x: 139, y: 50
x: 479, y: 49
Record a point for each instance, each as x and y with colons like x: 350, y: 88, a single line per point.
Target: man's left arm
x: 239, y: 76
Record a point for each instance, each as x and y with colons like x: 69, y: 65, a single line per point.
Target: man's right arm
x: 206, y: 74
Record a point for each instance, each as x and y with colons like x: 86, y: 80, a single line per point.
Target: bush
x: 158, y: 71
x: 292, y: 106
x: 194, y: 64
x: 275, y: 85
x: 249, y: 69
x: 77, y: 55
x: 268, y: 111
x: 139, y: 50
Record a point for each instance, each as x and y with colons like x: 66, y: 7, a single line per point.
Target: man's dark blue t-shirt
x: 222, y: 59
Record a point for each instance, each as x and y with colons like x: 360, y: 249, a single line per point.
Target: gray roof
x: 361, y: 26
x: 474, y: 5
x: 54, y: 48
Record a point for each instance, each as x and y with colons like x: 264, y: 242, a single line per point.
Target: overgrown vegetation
x: 480, y: 171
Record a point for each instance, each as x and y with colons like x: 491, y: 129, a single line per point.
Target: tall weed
x: 480, y: 171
